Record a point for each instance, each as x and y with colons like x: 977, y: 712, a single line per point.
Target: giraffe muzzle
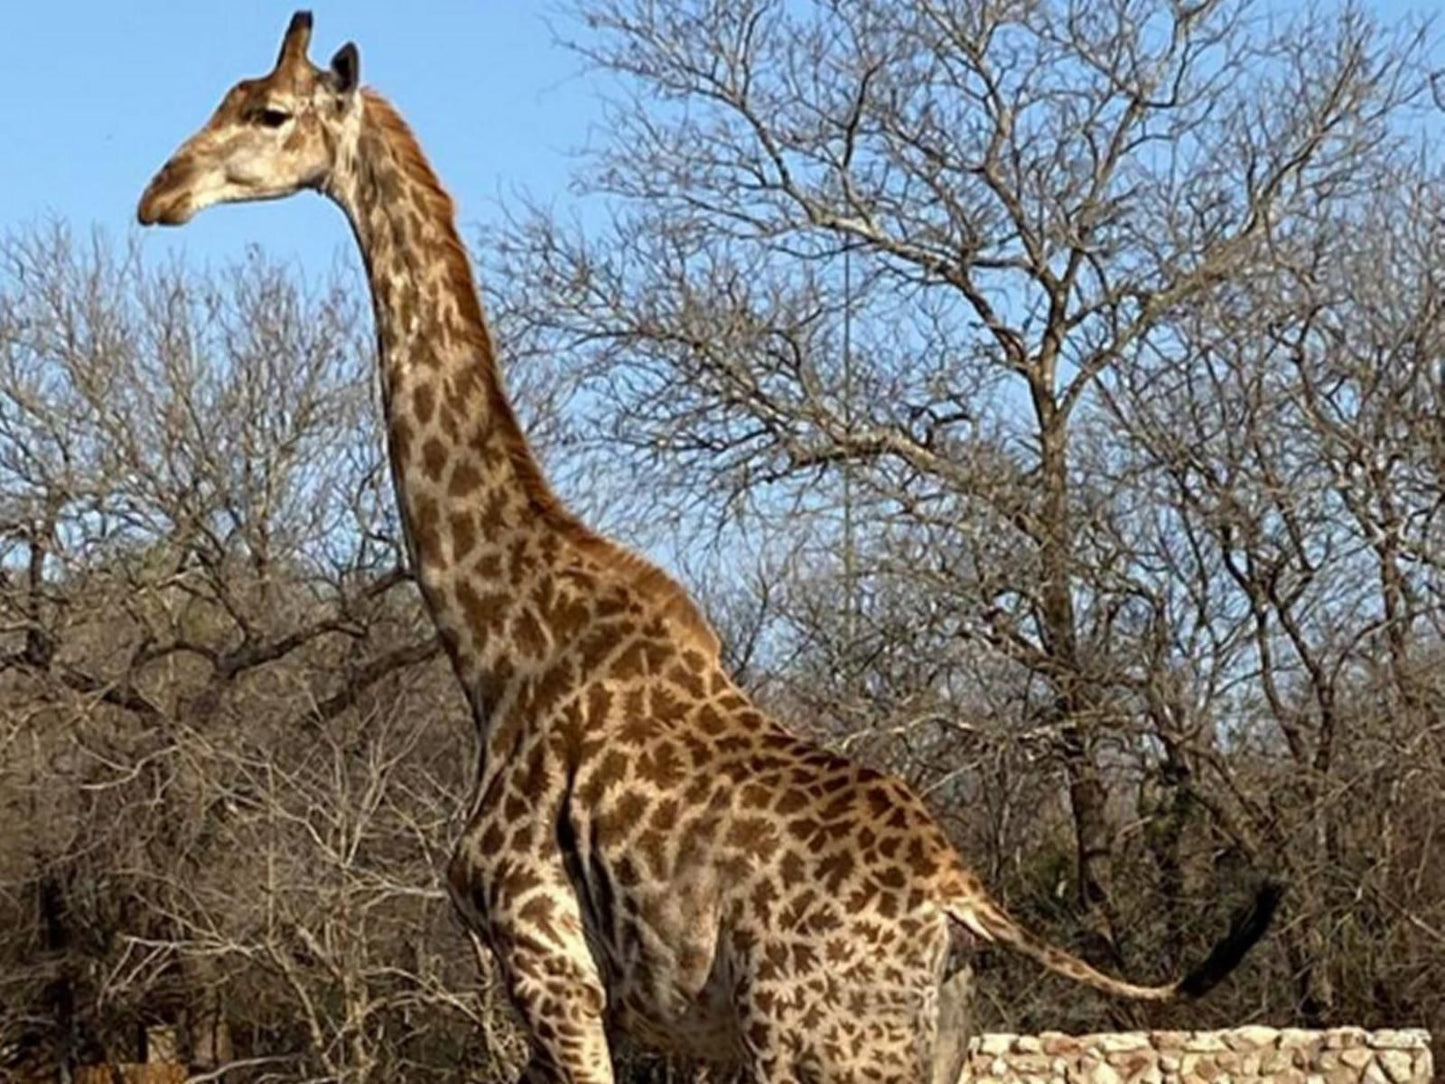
x: 165, y: 201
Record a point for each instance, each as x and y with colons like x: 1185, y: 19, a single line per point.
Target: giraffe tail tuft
x: 1247, y: 927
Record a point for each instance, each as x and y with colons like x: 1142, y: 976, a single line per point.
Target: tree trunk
x: 1075, y: 704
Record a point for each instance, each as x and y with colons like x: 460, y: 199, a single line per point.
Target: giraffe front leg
x: 560, y: 998
x: 950, y: 1048
x: 533, y: 927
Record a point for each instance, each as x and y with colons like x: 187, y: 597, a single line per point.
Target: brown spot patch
x: 401, y: 437
x: 630, y: 661
x: 481, y: 610
x: 837, y: 807
x: 835, y: 868
x: 764, y: 895
x: 662, y: 766
x: 880, y: 802
x: 699, y: 750
x: 638, y: 728
x: 464, y: 534
x: 754, y: 836
x: 793, y: 869
x: 891, y: 877
x: 537, y: 912
x: 823, y: 920
x: 599, y: 705
x: 710, y: 721
x: 426, y: 530
x: 743, y: 940
x: 528, y: 634
x: 434, y: 458
x: 613, y: 603
x: 688, y: 682
x: 734, y: 743
x: 424, y: 402
x: 563, y: 612
x: 545, y: 692
x: 791, y: 801
x: 664, y: 817
x: 494, y: 513
x: 465, y: 479
x: 463, y: 384
x: 859, y: 898
x: 492, y: 839
x: 756, y: 796
x: 699, y: 790
x: 665, y: 705
x: 519, y: 880
x: 652, y: 844
x: 797, y: 909
x: 596, y: 645
x: 803, y: 829
x: 920, y: 862
x: 612, y: 769
x: 629, y: 810
x: 523, y: 560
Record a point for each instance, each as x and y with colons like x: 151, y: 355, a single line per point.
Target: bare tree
x: 1044, y: 397
x: 227, y: 763
x: 1292, y: 432
x: 920, y: 247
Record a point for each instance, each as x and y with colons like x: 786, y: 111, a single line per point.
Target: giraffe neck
x: 478, y: 515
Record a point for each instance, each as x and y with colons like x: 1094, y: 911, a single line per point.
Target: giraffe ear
x: 346, y: 68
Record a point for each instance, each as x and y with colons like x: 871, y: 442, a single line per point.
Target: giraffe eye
x: 273, y: 118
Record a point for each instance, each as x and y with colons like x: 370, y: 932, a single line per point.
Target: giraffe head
x: 268, y: 138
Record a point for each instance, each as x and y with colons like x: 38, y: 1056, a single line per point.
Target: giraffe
x: 645, y: 850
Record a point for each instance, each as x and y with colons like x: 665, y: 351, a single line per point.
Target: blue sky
x: 99, y: 93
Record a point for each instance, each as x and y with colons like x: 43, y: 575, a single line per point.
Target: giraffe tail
x: 989, y: 921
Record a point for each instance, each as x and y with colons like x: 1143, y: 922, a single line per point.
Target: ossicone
x: 296, y: 41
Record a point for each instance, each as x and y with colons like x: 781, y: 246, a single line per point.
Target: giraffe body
x: 739, y: 894
x: 645, y: 849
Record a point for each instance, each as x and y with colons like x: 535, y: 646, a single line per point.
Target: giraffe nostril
x: 164, y: 200
x: 145, y: 211
x: 163, y: 207
x: 148, y: 212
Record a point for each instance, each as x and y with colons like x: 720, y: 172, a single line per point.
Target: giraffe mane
x: 647, y: 578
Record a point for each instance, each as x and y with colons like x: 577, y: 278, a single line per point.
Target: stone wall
x: 1285, y: 1055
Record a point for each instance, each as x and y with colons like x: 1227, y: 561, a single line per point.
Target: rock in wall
x: 1283, y: 1055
